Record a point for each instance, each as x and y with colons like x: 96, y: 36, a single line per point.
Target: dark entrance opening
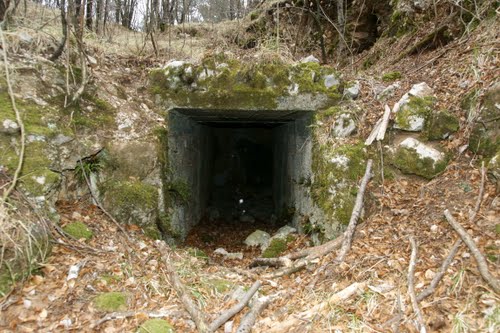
x: 241, y: 168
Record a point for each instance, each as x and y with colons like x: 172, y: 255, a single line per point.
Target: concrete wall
x: 189, y: 149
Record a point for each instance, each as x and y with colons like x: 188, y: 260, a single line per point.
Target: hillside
x: 148, y: 159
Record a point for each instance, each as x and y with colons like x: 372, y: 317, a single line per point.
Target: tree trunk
x: 88, y: 19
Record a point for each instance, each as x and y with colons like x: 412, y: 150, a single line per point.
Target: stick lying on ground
x: 411, y: 285
x: 295, y: 320
x: 196, y: 314
x: 481, y: 262
x: 251, y: 317
x: 307, y: 256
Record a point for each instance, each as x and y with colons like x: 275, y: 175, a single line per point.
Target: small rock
x: 309, y: 58
x: 434, y: 228
x: 388, y: 91
x: 353, y: 91
x: 92, y: 61
x: 61, y: 139
x: 284, y: 231
x: 174, y: 64
x: 9, y: 127
x: 258, y: 238
x: 25, y: 38
x: 35, y: 138
x: 331, y: 80
x: 421, y: 90
x: 344, y: 125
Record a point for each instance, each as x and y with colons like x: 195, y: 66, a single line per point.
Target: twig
x: 18, y: 118
x: 442, y: 271
x: 224, y: 317
x: 481, y: 262
x: 128, y: 314
x: 356, y: 212
x: 249, y: 320
x: 480, y: 196
x: 411, y: 285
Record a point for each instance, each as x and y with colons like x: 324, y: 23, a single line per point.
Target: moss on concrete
x: 336, y: 171
x: 223, y: 83
x: 111, y: 301
x: 78, y: 230
x: 156, y: 326
x: 440, y: 125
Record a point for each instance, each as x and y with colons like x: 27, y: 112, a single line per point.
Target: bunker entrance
x: 238, y: 168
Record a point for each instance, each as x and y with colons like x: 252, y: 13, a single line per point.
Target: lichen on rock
x: 440, y: 125
x: 485, y: 135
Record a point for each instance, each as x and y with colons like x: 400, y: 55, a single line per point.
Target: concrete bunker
x: 224, y: 164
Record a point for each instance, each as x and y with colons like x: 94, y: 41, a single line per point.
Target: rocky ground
x: 66, y: 292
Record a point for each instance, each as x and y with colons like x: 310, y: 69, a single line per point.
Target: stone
x: 353, y: 91
x: 284, y: 231
x: 414, y: 157
x: 258, y: 238
x: 344, y: 125
x: 61, y: 139
x: 9, y: 127
x: 440, y: 125
x: 388, y: 91
x: 331, y: 80
x: 413, y: 114
x: 229, y: 255
x: 175, y: 64
x: 310, y: 58
x: 421, y: 90
x: 485, y: 135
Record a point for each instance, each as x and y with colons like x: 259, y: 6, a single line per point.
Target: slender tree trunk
x: 64, y: 24
x: 88, y: 19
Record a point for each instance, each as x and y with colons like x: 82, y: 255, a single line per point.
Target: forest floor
x: 403, y: 206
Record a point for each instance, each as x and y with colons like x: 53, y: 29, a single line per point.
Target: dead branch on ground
x: 442, y: 271
x: 411, y: 285
x: 295, y: 320
x: 480, y: 195
x: 200, y: 318
x: 356, y: 213
x: 251, y: 317
x: 480, y: 260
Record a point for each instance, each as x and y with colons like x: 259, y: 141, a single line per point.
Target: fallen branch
x: 442, y: 270
x: 356, y: 213
x: 411, y: 286
x: 384, y: 123
x: 272, y: 262
x: 481, y: 262
x: 374, y: 133
x: 128, y: 314
x: 196, y: 314
x: 251, y: 317
x: 305, y: 316
x: 480, y: 196
x: 224, y: 317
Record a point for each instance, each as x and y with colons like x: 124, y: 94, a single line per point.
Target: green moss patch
x: 156, y: 326
x: 440, y: 125
x: 228, y: 84
x: 336, y: 171
x: 416, y: 108
x: 391, y: 76
x: 197, y: 253
x: 277, y: 246
x: 112, y: 301
x: 485, y: 135
x: 78, y: 230
x: 220, y: 285
x: 410, y: 162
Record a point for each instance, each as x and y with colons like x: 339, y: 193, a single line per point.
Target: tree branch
x: 481, y: 262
